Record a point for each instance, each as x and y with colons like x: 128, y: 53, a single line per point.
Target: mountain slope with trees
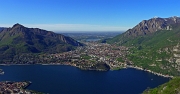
x: 21, y: 40
x: 154, y: 45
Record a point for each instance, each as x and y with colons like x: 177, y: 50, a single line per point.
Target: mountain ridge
x: 158, y: 50
x: 146, y: 27
x: 153, y: 25
x: 19, y: 39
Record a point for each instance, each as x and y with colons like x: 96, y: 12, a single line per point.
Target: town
x: 93, y: 56
x: 8, y: 87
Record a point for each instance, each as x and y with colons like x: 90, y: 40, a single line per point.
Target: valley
x: 153, y: 46
x: 90, y: 47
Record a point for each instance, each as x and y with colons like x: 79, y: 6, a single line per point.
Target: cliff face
x: 146, y: 28
x: 152, y: 25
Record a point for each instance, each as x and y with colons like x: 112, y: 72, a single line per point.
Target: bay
x: 58, y: 79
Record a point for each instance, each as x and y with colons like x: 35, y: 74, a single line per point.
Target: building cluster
x: 90, y: 55
x: 83, y: 57
x: 8, y: 87
x: 108, y: 53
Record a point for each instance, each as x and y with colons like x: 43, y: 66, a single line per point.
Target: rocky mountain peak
x: 17, y: 29
x: 152, y: 25
x: 176, y: 19
x: 17, y: 25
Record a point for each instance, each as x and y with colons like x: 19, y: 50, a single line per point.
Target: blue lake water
x: 57, y: 79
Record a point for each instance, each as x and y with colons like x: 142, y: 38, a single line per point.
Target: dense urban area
x: 93, y: 56
x: 9, y: 87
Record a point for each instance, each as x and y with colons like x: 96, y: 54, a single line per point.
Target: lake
x: 57, y: 79
x: 92, y: 40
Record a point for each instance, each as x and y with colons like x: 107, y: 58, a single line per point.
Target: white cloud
x: 71, y: 27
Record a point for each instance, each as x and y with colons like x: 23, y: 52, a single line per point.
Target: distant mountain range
x: 20, y: 39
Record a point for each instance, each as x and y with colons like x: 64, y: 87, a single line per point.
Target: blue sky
x: 84, y: 15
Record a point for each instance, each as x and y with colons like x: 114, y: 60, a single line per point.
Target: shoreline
x: 155, y: 73
x: 134, y: 67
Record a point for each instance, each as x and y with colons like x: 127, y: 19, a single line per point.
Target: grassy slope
x: 149, y: 50
x: 152, y: 51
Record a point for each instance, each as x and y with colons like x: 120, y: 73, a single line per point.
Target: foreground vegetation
x: 157, y: 52
x: 171, y: 87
